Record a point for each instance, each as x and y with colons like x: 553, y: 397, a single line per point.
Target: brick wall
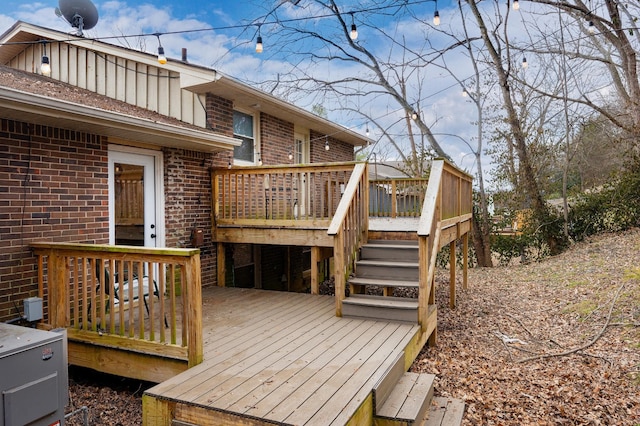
x: 338, y: 151
x: 187, y: 183
x: 219, y: 114
x: 53, y: 186
x: 276, y: 140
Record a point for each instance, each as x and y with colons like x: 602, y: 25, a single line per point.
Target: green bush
x: 614, y: 207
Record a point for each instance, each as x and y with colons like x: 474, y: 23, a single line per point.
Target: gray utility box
x: 34, y: 379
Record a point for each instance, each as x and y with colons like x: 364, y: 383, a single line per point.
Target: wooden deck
x: 280, y: 358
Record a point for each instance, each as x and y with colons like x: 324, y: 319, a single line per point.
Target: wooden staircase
x: 405, y: 399
x: 389, y: 265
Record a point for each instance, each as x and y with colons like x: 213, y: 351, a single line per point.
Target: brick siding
x: 54, y: 188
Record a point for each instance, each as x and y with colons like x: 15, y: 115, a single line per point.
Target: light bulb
x: 290, y: 156
x: 436, y: 18
x: 465, y: 93
x: 45, y: 66
x: 414, y: 115
x: 326, y: 145
x: 259, y: 46
x: 592, y: 27
x: 354, y: 32
x: 525, y: 64
x: 516, y: 5
x: 367, y: 131
x: 260, y: 161
x: 161, y: 58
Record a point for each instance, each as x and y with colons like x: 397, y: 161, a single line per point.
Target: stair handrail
x: 447, y: 202
x: 349, y: 228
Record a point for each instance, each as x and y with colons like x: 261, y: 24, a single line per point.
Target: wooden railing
x: 292, y: 196
x: 396, y: 197
x: 446, y: 216
x: 146, y: 300
x: 349, y: 229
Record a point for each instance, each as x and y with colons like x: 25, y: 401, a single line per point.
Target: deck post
x: 57, y: 293
x: 194, y: 311
x: 221, y: 261
x: 423, y: 281
x: 465, y: 259
x: 452, y: 274
x: 315, y: 259
x: 339, y: 267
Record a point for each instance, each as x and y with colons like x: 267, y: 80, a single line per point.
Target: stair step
x: 445, y: 412
x: 395, y: 242
x: 389, y: 252
x: 409, y: 400
x: 380, y: 308
x: 383, y: 283
x: 387, y: 382
x: 380, y: 269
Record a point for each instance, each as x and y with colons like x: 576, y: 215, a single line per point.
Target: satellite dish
x: 80, y: 14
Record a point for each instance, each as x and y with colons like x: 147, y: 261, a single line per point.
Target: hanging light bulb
x: 525, y: 64
x: 45, y: 65
x: 354, y: 31
x: 414, y: 115
x: 326, y: 143
x: 465, y: 93
x: 290, y: 156
x: 259, y: 160
x: 162, y: 59
x: 592, y: 27
x: 367, y: 131
x: 259, y: 46
x: 436, y: 18
x: 516, y: 5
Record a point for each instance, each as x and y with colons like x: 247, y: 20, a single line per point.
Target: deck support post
x: 315, y: 279
x: 452, y: 274
x: 221, y: 260
x: 465, y: 259
x: 423, y: 280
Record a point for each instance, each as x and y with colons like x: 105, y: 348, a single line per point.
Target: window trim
x: 256, y: 138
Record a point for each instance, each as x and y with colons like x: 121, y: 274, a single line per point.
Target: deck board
x: 284, y: 358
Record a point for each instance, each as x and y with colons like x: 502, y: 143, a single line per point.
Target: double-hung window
x: 243, y: 129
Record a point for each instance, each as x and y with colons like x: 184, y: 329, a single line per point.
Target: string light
x: 354, y: 31
x: 436, y: 18
x: 465, y: 93
x: 525, y: 64
x: 259, y: 160
x: 592, y: 27
x: 326, y: 143
x: 162, y: 59
x: 516, y: 5
x: 290, y: 156
x: 45, y: 66
x: 367, y: 130
x: 259, y: 46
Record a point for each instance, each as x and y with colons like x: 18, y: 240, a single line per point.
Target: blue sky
x: 232, y: 50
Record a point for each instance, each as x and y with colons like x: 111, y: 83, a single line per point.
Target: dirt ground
x: 548, y: 343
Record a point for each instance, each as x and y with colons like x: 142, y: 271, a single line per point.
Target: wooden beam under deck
x: 280, y: 358
x: 274, y: 236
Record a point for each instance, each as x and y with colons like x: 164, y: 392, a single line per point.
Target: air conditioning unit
x: 34, y: 381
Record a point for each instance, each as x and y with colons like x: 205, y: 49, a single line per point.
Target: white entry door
x: 133, y: 201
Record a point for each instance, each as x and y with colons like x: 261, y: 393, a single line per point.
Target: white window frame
x: 256, y: 139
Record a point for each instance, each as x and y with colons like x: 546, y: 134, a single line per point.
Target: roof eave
x: 15, y: 104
